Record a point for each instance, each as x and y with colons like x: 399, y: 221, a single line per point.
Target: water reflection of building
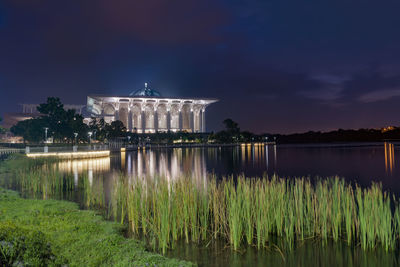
x: 258, y: 154
x: 80, y: 166
x: 170, y: 164
x: 173, y: 164
x: 389, y: 157
x: 97, y: 164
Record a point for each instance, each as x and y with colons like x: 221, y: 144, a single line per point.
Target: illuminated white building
x: 146, y: 111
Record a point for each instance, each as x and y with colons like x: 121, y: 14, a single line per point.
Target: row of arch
x: 150, y: 117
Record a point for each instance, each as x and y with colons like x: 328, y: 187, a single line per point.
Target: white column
x: 203, y: 120
x: 191, y: 119
x: 155, y: 119
x: 200, y: 120
x: 130, y: 127
x: 143, y: 119
x: 197, y: 121
x: 180, y: 120
x: 168, y: 119
x: 116, y: 115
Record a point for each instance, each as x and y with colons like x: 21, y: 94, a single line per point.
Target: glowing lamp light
x: 73, y: 155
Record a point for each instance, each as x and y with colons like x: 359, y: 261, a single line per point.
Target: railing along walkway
x: 7, y: 150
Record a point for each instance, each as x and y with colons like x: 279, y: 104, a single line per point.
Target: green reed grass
x: 252, y: 211
x: 240, y: 210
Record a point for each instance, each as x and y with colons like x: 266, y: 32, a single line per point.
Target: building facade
x: 146, y: 111
x: 30, y: 111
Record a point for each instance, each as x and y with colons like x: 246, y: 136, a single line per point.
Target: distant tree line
x: 361, y: 135
x: 232, y: 134
x: 65, y: 126
x: 60, y: 124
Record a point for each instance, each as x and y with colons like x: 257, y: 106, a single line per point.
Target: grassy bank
x: 50, y: 232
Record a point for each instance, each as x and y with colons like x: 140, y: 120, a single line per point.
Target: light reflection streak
x: 389, y: 157
x: 248, y: 156
x: 129, y: 163
x: 75, y: 170
x: 254, y: 154
x: 123, y: 154
x: 79, y: 166
x: 90, y: 176
x: 243, y: 154
x: 170, y: 165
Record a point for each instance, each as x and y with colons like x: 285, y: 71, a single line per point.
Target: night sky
x: 276, y: 66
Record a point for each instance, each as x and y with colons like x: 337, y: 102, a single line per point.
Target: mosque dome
x: 145, y: 92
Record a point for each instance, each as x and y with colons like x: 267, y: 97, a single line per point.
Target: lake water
x: 361, y: 163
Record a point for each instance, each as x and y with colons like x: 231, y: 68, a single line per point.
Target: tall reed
x: 251, y: 211
x: 243, y: 211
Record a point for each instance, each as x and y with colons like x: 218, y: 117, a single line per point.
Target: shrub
x: 24, y: 247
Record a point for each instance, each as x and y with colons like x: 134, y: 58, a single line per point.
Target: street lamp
x: 45, y: 133
x: 90, y: 137
x: 76, y: 135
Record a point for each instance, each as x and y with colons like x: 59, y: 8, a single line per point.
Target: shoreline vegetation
x: 56, y: 233
x: 243, y: 211
x: 255, y: 212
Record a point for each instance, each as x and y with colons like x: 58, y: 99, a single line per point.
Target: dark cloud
x: 166, y: 21
x: 276, y: 66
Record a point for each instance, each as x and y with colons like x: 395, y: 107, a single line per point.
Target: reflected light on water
x: 243, y: 154
x: 257, y: 155
x: 389, y: 157
x: 123, y: 154
x: 129, y: 163
x: 248, y: 152
x: 178, y: 163
x: 79, y: 166
x: 254, y: 154
x: 90, y: 176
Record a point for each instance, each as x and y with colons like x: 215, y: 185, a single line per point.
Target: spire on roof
x: 145, y: 92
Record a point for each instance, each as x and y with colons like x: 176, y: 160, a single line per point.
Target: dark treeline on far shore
x: 232, y: 134
x: 361, y: 135
x: 66, y: 126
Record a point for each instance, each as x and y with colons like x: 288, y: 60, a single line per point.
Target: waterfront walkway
x: 103, y: 150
